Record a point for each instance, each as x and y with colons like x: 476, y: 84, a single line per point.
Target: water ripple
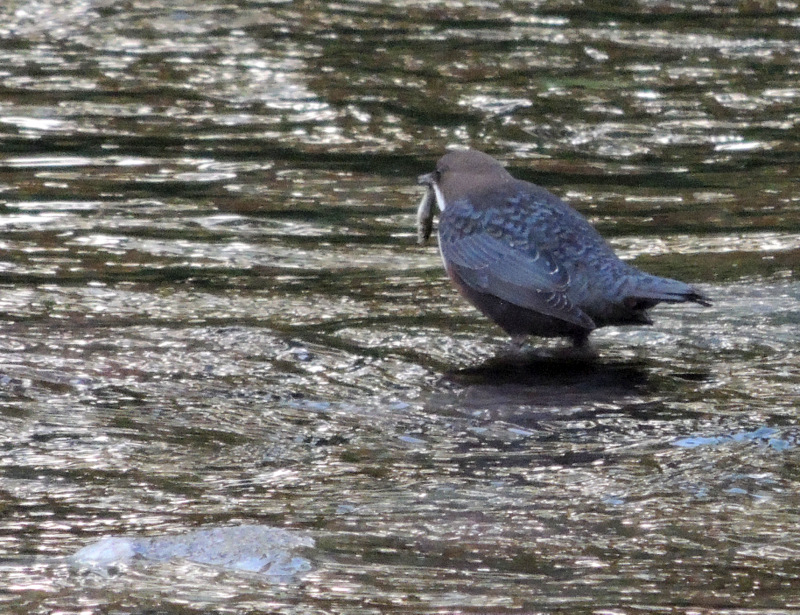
x: 214, y: 313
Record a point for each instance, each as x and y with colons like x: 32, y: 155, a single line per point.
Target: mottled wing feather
x: 519, y: 274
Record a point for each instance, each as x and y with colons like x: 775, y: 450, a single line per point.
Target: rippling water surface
x: 213, y: 311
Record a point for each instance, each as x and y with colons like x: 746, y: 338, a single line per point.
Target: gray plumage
x: 527, y: 260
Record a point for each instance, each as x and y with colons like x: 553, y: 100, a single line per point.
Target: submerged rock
x: 252, y: 548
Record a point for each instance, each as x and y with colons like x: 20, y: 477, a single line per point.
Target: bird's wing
x: 516, y: 272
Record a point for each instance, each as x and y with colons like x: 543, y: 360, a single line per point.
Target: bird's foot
x: 519, y: 351
x: 577, y: 352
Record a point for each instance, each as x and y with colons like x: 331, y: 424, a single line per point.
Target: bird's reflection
x: 527, y: 387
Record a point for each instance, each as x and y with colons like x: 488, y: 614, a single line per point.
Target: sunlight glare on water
x: 215, y: 319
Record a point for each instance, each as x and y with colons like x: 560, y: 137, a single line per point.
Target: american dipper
x: 527, y: 260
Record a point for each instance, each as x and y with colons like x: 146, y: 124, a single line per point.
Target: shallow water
x: 214, y: 313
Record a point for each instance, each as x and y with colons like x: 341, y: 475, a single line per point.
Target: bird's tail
x: 644, y: 291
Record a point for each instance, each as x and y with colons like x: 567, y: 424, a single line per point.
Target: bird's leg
x: 581, y: 347
x: 580, y: 341
x: 518, y: 342
x: 515, y: 349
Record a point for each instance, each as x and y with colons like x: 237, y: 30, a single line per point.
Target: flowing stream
x: 214, y: 314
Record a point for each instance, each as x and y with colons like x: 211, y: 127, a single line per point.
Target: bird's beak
x: 428, y: 179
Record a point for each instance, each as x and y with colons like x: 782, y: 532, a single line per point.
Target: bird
x: 527, y: 260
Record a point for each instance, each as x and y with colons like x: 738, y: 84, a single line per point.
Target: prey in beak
x: 425, y: 210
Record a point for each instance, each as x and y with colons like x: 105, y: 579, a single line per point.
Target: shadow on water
x: 566, y: 373
x: 525, y: 389
x: 542, y: 368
